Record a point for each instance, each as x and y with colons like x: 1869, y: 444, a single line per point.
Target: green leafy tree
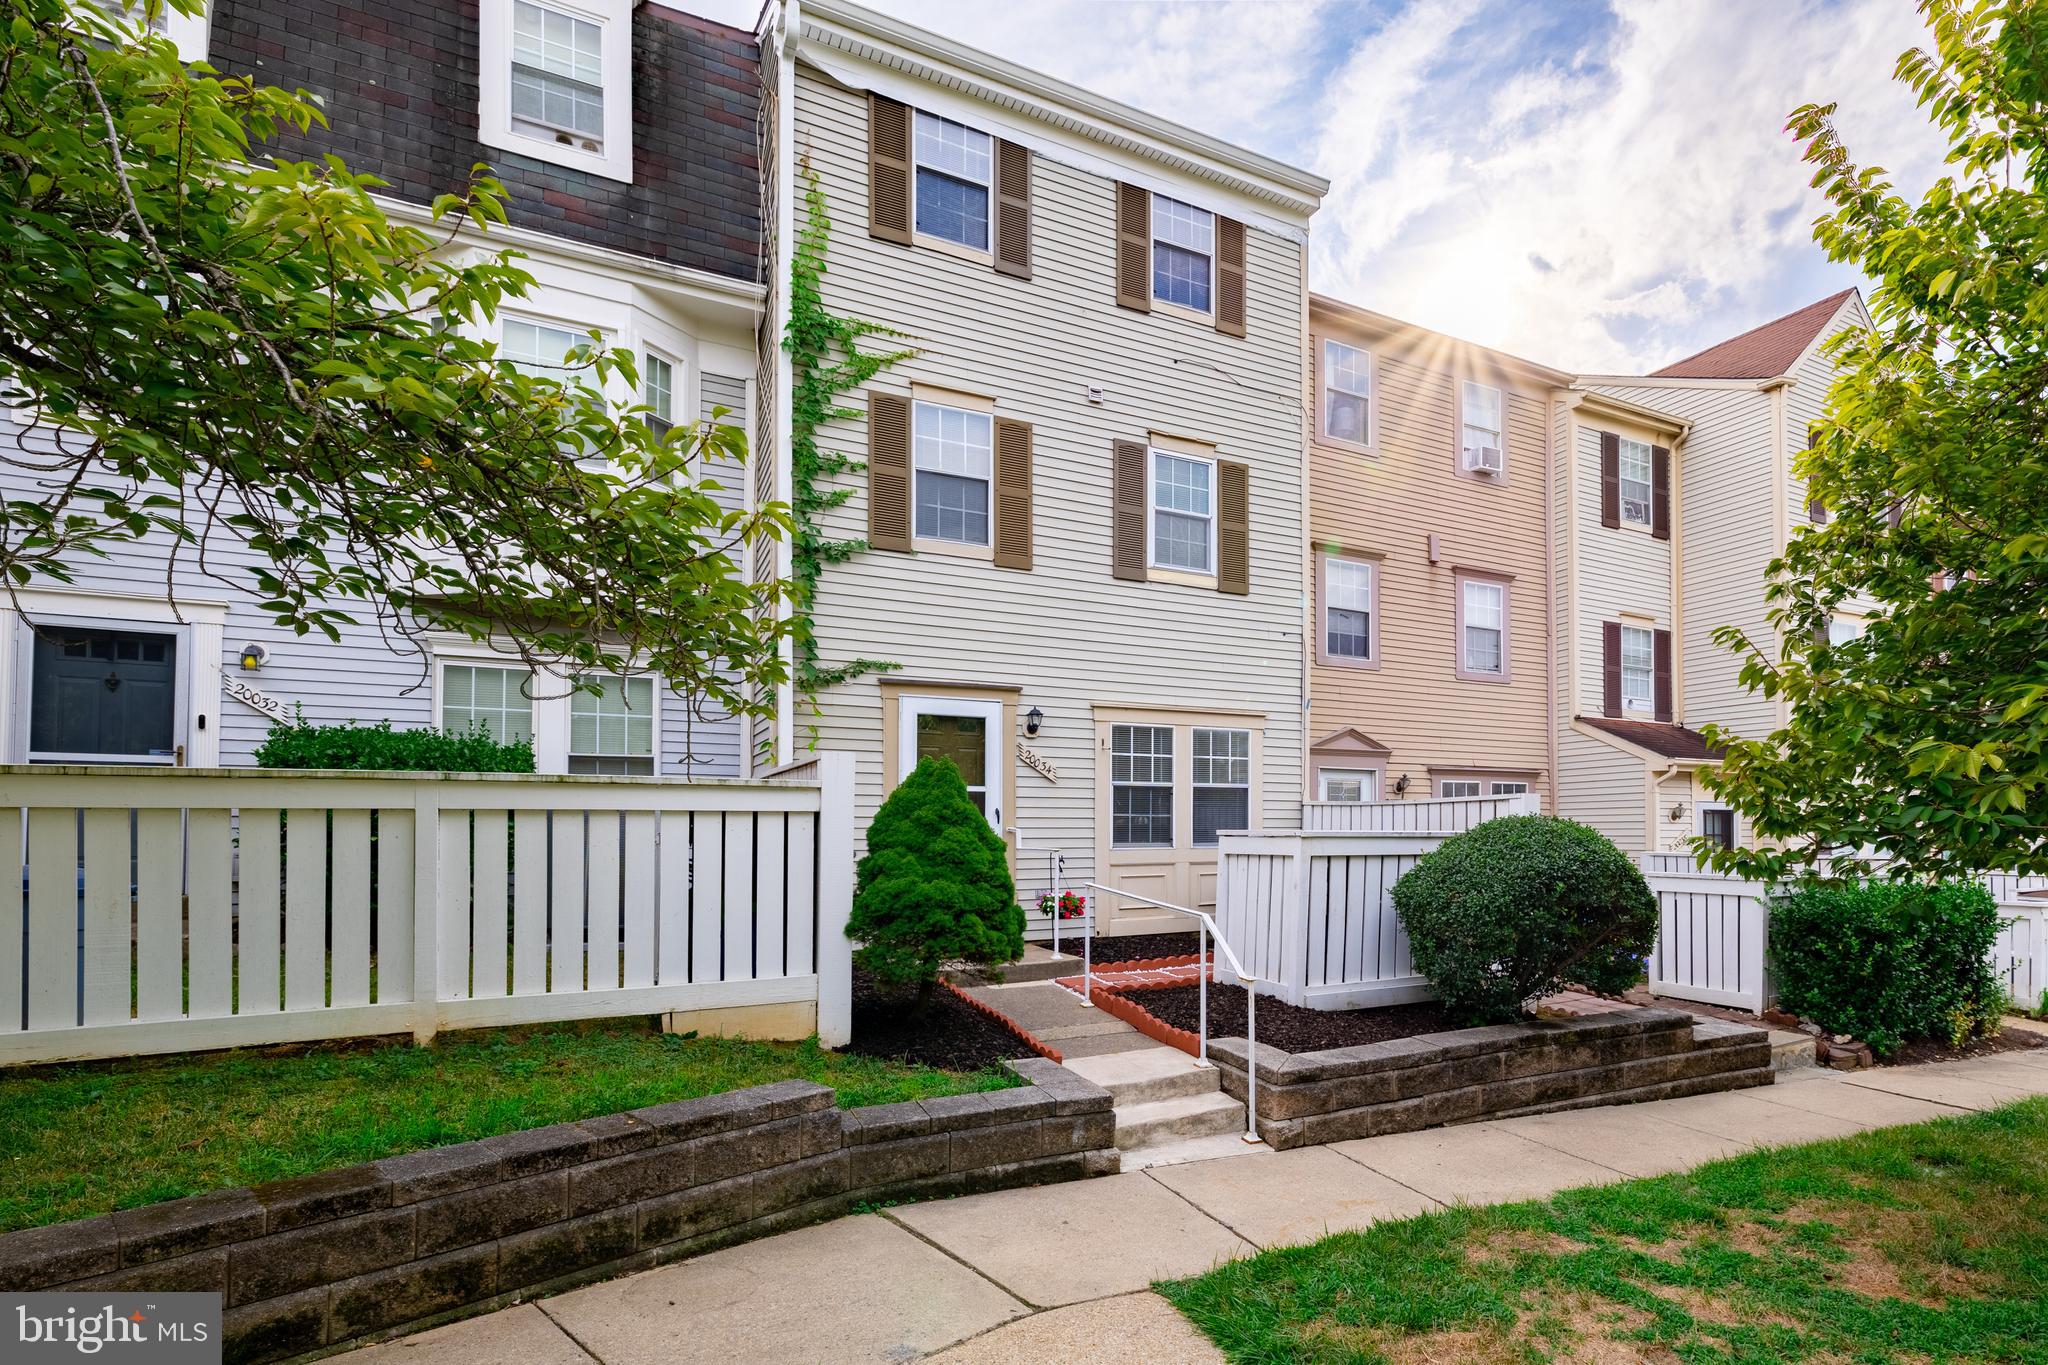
x: 934, y: 886
x: 214, y: 344
x: 1926, y: 738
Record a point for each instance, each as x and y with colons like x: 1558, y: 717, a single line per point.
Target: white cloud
x: 1610, y: 197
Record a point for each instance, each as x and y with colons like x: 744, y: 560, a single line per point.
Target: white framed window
x: 1222, y: 783
x: 953, y: 169
x: 658, y: 391
x: 1141, y: 786
x: 496, y: 698
x: 1347, y: 784
x: 1347, y: 608
x: 1347, y: 393
x: 952, y: 456
x: 541, y: 349
x: 1634, y: 466
x: 1183, y: 254
x: 1507, y: 789
x: 1638, y: 669
x: 555, y: 82
x: 612, y: 730
x: 1183, y: 512
x: 1455, y: 787
x: 1482, y: 444
x: 1483, y: 628
x: 1843, y: 629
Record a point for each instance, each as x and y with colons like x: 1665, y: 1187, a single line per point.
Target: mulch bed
x: 1929, y: 1050
x: 1130, y: 947
x: 1290, y: 1027
x: 952, y: 1035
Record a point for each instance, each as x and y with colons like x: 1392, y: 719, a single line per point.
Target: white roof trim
x: 930, y: 72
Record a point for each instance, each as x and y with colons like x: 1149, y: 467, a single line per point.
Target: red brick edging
x: 1146, y: 964
x: 1024, y: 1035
x: 1116, y: 1001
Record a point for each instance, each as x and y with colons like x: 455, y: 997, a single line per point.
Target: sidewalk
x: 1061, y: 1272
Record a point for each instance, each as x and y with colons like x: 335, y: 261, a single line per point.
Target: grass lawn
x: 1921, y: 1244
x: 91, y: 1138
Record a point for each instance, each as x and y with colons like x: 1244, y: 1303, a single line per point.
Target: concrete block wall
x: 1495, y: 1072
x: 364, y: 1252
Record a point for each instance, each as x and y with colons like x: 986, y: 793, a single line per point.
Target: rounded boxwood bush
x: 1521, y: 907
x: 1889, y: 961
x: 935, y: 886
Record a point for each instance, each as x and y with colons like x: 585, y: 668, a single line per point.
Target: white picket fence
x: 164, y: 910
x: 1446, y: 816
x: 2021, y: 955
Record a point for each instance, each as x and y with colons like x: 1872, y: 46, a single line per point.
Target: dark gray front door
x: 107, y: 694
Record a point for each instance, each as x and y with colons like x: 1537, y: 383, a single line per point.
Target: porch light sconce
x: 254, y: 656
x: 1032, y: 720
x: 1678, y: 811
x: 1401, y: 785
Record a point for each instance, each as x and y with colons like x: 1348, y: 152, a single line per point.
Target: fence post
x: 426, y: 909
x: 835, y: 899
x: 1294, y: 925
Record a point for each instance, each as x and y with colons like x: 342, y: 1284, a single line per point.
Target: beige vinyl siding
x: 1562, y: 595
x: 1602, y: 786
x: 1806, y: 402
x: 1624, y: 572
x: 1385, y: 505
x: 1728, y: 539
x: 1066, y: 634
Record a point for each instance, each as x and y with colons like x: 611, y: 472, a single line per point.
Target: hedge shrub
x: 934, y: 886
x: 1521, y: 907
x: 1888, y: 961
x: 379, y: 748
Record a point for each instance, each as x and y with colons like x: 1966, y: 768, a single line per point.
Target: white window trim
x: 1154, y: 241
x: 979, y: 253
x: 494, y: 115
x: 1152, y: 509
x: 550, y: 713
x: 1649, y: 482
x: 1521, y: 787
x: 972, y: 549
x: 1500, y: 434
x: 1325, y: 385
x: 1195, y: 786
x: 1180, y: 787
x: 1368, y: 782
x: 568, y: 722
x: 1477, y: 785
x: 1649, y: 705
x: 996, y: 756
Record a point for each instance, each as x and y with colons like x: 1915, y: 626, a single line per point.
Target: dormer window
x: 556, y: 82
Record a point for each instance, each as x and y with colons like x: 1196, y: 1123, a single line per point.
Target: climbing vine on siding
x: 825, y: 362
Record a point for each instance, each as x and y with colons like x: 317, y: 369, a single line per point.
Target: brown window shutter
x: 1233, y: 527
x: 1660, y: 492
x: 1817, y: 512
x: 888, y: 169
x: 1610, y: 480
x: 1013, y: 210
x: 1230, y: 277
x: 888, y: 471
x: 1610, y: 668
x: 1660, y: 658
x: 1134, y: 248
x: 1127, y: 510
x: 1013, y: 495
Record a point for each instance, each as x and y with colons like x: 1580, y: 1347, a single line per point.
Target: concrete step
x: 1181, y: 1152
x: 1147, y: 1074
x: 1037, y: 964
x: 1157, y: 1122
x: 1791, y: 1049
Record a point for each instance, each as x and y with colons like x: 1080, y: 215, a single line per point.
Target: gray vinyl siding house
x: 1099, y: 636
x: 664, y: 255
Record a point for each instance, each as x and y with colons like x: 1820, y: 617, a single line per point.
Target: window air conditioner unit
x: 1482, y: 459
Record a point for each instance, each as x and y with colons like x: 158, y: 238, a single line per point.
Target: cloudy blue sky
x: 1597, y: 184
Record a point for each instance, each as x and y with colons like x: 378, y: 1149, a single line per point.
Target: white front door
x: 967, y: 731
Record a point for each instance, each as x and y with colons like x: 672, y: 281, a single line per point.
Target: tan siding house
x: 1737, y: 415
x: 1084, y: 492
x: 1430, y: 563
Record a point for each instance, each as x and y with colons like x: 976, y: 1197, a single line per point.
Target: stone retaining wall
x: 365, y: 1251
x: 1495, y: 1072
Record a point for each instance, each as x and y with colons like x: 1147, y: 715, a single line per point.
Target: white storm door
x: 967, y: 731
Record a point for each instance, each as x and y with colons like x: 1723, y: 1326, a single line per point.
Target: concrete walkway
x: 1061, y: 1273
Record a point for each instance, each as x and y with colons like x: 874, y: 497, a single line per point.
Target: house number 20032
x: 250, y: 697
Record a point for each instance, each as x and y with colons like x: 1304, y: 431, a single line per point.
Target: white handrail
x: 1056, y: 866
x: 1206, y: 930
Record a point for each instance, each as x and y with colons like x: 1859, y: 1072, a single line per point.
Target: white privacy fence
x: 1447, y: 816
x: 1312, y: 914
x: 163, y: 910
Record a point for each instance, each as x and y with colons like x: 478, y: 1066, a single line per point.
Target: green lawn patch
x: 1926, y: 1243
x: 91, y: 1138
